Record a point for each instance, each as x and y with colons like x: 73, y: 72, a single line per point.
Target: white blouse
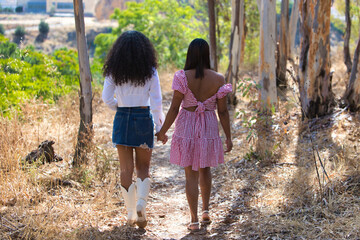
x: 128, y: 95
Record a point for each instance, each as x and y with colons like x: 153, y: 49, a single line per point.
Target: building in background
x: 11, y: 4
x: 67, y: 6
x: 35, y: 6
x: 49, y: 6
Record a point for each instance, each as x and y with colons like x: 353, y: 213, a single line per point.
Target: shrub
x: 7, y: 10
x: 19, y: 9
x: 43, y: 27
x: 28, y: 74
x: 2, y: 29
x: 20, y: 31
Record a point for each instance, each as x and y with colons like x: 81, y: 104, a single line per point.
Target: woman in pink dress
x: 196, y: 144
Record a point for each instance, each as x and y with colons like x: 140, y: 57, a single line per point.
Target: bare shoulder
x: 219, y: 78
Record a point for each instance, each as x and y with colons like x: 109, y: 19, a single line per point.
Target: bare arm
x: 225, y: 121
x: 171, y: 115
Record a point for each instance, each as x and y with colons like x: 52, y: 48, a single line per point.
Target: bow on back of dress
x: 200, y: 119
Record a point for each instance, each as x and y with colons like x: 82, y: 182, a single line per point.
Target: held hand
x: 229, y: 145
x: 161, y: 137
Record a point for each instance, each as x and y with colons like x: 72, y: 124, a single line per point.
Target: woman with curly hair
x: 130, y: 73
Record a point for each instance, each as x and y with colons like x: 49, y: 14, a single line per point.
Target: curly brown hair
x: 132, y: 59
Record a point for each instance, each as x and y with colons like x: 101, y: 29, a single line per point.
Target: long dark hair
x: 198, y: 57
x: 132, y: 59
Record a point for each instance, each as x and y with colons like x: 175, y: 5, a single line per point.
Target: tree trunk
x: 236, y: 39
x: 314, y: 74
x: 292, y: 28
x: 283, y: 45
x: 243, y: 34
x: 268, y: 97
x: 218, y: 33
x: 352, y: 94
x: 85, y: 129
x: 212, y: 33
x: 347, y: 58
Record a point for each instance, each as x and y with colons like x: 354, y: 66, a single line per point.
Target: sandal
x: 194, y: 227
x: 205, y: 217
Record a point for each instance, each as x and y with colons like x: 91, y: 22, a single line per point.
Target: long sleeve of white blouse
x: 108, y: 94
x: 156, y: 102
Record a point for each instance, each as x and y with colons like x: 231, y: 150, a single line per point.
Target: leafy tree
x: 253, y: 34
x: 43, y: 27
x: 19, y: 9
x: 26, y: 73
x: 169, y: 24
x: 2, y: 29
x: 20, y: 31
x: 8, y: 49
x: 338, y: 22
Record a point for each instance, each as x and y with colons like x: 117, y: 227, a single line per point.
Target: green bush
x: 8, y: 49
x: 43, y: 27
x: 169, y: 24
x: 2, y: 29
x: 19, y: 9
x: 6, y: 10
x: 20, y: 31
x: 27, y: 74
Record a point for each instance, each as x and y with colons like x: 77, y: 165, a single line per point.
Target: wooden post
x: 314, y: 74
x: 85, y: 128
x: 267, y: 96
x: 212, y: 33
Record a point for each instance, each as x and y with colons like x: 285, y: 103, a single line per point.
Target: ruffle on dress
x: 197, y: 153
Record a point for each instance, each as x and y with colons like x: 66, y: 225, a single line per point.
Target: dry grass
x: 32, y: 200
x: 267, y: 189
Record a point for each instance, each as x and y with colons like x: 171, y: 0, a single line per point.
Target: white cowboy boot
x: 130, y: 203
x: 143, y: 189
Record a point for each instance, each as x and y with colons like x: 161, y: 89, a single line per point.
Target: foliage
x: 19, y: 9
x: 248, y: 88
x: 170, y: 25
x: 43, y: 27
x: 338, y: 24
x: 223, y: 11
x: 20, y: 31
x: 253, y: 34
x: 26, y: 74
x: 6, y: 10
x: 338, y: 21
x: 2, y: 29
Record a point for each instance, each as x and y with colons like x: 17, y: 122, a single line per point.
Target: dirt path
x: 167, y: 208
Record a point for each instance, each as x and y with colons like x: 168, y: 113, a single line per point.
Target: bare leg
x: 192, y: 192
x: 143, y: 156
x: 126, y: 165
x: 205, y: 186
x: 142, y: 159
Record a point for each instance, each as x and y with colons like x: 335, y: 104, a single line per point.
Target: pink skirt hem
x: 196, y: 152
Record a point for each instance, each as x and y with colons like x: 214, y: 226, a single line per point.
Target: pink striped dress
x: 196, y: 141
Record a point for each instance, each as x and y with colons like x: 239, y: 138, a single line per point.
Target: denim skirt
x: 133, y: 127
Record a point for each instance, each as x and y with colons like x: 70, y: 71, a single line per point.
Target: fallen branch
x: 322, y: 165
x: 285, y: 163
x: 317, y: 170
x: 7, y: 227
x: 2, y: 218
